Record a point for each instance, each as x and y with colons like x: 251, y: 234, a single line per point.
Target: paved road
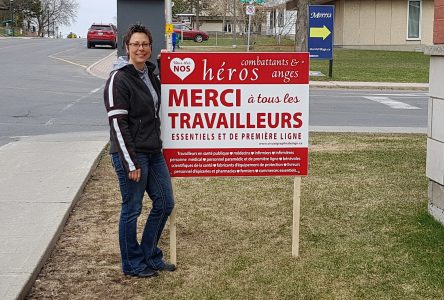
x: 45, y: 88
x: 367, y: 108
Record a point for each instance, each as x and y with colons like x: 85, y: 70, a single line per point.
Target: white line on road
x: 53, y: 56
x: 67, y: 61
x: 401, y: 95
x: 51, y: 121
x: 61, y: 51
x: 391, y: 103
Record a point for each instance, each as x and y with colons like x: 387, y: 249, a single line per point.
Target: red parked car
x: 102, y: 34
x: 190, y: 34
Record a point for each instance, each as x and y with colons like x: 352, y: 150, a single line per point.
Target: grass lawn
x: 375, y: 65
x: 365, y: 232
x: 348, y: 64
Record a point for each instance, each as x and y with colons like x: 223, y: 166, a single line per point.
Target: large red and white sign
x: 235, y: 114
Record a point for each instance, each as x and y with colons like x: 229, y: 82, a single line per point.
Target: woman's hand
x: 135, y: 175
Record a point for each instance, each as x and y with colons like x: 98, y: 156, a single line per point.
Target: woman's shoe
x: 167, y: 267
x: 145, y: 273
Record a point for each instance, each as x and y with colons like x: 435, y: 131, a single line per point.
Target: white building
x: 279, y: 20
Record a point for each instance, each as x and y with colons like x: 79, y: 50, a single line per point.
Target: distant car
x: 102, y: 34
x: 71, y: 35
x: 190, y: 34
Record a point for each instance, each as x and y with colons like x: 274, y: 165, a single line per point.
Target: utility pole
x: 11, y: 7
x: 168, y: 20
x: 234, y: 23
x: 197, y: 15
x: 48, y: 23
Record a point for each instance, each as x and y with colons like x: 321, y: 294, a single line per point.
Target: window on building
x: 227, y: 27
x: 414, y: 19
x: 273, y: 19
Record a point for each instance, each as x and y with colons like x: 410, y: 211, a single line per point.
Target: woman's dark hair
x: 136, y: 28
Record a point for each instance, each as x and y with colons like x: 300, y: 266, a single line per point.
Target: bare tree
x: 218, y: 8
x: 180, y: 7
x: 234, y: 23
x: 258, y: 18
x: 26, y: 8
x: 56, y: 12
x: 224, y: 15
x: 242, y: 17
x: 197, y: 7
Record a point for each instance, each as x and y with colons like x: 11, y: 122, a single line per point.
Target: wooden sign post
x: 296, y: 216
x: 173, y: 241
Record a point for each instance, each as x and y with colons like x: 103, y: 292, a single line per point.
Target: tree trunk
x: 224, y: 16
x: 234, y: 23
x: 301, y: 26
x: 40, y: 26
x: 197, y: 15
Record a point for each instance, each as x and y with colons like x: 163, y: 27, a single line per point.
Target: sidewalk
x: 103, y: 67
x: 43, y: 176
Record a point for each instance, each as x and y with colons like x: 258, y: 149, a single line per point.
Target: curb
x: 89, y: 69
x: 376, y: 130
x: 27, y: 276
x: 369, y: 86
x: 61, y: 226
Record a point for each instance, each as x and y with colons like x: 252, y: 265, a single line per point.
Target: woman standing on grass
x: 132, y: 100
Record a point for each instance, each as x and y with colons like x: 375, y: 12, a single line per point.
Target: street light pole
x: 234, y: 24
x: 11, y: 6
x: 48, y: 24
x: 168, y: 20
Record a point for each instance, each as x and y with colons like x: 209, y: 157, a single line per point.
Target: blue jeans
x: 156, y: 182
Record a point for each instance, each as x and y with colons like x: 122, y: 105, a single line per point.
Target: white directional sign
x: 250, y: 10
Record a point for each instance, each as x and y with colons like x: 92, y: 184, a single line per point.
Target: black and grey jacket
x: 133, y: 117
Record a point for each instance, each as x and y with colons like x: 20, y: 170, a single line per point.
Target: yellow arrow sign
x: 319, y: 32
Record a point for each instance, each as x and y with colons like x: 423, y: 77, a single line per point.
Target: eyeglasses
x: 137, y: 45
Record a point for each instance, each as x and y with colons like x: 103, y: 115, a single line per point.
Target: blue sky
x: 98, y: 11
